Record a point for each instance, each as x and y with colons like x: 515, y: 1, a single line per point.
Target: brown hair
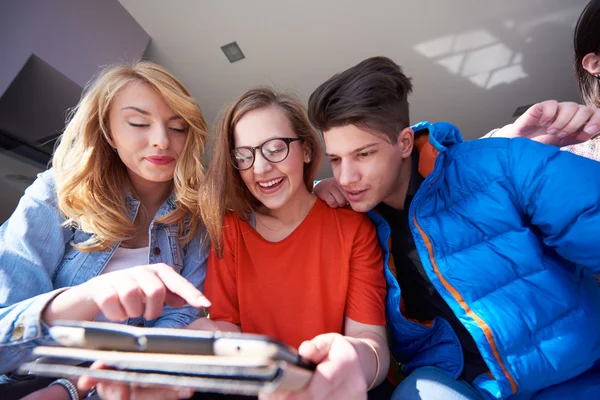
x: 224, y: 190
x: 587, y: 40
x: 372, y: 95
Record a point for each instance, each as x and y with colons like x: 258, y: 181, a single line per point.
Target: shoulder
x: 40, y: 197
x: 503, y: 146
x: 44, y: 185
x: 233, y: 225
x: 346, y: 218
x: 589, y: 149
x: 499, y: 153
x: 231, y: 220
x: 48, y: 177
x: 479, y: 146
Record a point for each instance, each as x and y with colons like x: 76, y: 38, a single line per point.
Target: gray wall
x: 73, y: 36
x: 65, y: 42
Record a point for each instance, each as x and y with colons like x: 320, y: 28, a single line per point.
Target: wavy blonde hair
x: 92, y: 180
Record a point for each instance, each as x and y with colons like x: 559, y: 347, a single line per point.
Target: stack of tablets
x: 216, y: 362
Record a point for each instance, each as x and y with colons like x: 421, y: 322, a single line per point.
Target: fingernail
x: 591, y: 130
x: 552, y: 131
x: 204, y: 302
x: 563, y: 134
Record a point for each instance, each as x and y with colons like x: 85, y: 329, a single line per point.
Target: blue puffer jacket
x: 508, y: 231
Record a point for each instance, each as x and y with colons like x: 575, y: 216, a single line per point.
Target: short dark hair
x: 587, y: 40
x: 372, y: 95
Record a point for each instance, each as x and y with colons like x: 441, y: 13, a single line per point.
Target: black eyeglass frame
x: 252, y: 150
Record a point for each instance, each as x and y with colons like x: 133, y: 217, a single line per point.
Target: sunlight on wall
x: 476, y: 55
x: 482, y: 58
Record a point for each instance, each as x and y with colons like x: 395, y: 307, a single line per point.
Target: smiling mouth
x: 160, y: 160
x: 271, y: 183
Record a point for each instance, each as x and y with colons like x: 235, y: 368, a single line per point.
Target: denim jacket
x: 37, y: 262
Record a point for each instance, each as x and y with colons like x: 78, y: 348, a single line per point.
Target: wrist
x: 65, y: 385
x: 369, y: 360
x: 74, y: 303
x: 502, y: 132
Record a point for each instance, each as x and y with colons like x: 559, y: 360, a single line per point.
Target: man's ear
x: 591, y: 63
x: 406, y: 141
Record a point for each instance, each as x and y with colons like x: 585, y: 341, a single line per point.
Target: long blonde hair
x: 91, y: 179
x: 224, y: 190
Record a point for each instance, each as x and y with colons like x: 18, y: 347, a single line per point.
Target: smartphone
x: 120, y: 337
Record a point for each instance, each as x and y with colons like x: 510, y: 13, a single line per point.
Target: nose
x: 261, y: 165
x: 347, y: 174
x: 159, y: 137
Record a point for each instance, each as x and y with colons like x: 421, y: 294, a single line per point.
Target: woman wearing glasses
x: 282, y: 262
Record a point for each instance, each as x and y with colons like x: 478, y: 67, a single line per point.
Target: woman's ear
x: 307, y: 150
x: 591, y: 63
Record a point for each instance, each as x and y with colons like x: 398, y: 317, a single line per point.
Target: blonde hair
x: 224, y: 190
x: 92, y: 180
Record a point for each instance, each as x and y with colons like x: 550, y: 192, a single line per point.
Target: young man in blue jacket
x: 492, y: 244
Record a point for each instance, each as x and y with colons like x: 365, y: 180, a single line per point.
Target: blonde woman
x: 111, y: 232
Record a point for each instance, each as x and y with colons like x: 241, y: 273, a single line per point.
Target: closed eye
x: 180, y: 130
x: 138, y: 125
x: 365, y: 154
x: 334, y: 160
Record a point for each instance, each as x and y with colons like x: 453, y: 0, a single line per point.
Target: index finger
x: 180, y: 286
x: 549, y: 109
x: 340, y: 198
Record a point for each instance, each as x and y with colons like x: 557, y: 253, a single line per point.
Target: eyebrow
x: 355, y: 151
x: 274, y: 137
x: 144, y: 112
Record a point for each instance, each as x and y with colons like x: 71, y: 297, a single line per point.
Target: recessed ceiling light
x: 233, y: 52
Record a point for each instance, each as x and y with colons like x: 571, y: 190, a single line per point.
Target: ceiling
x: 473, y: 62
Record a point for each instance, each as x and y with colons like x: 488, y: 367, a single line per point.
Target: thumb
x: 539, y: 115
x: 317, y: 349
x: 531, y: 117
x: 85, y: 383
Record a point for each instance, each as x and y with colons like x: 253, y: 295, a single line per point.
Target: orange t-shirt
x: 328, y: 268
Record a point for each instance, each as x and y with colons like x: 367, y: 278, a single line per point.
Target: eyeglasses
x: 273, y: 150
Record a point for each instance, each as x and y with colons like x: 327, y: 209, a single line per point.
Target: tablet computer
x: 220, y: 362
x: 111, y: 336
x: 229, y: 375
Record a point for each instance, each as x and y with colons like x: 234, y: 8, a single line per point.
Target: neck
x: 295, y: 210
x: 397, y: 197
x: 151, y: 194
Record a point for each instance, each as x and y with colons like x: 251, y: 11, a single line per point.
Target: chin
x: 158, y: 178
x: 272, y: 204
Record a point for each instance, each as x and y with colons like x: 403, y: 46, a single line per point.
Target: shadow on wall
x: 517, y: 60
x: 472, y: 62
